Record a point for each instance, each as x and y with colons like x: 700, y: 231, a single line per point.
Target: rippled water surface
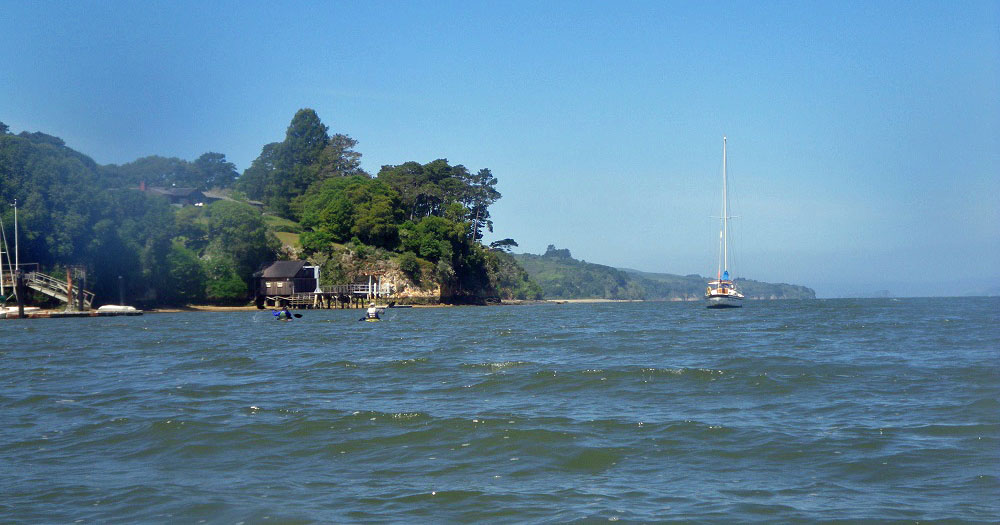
x: 780, y: 411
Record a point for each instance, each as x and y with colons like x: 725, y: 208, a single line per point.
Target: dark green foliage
x: 74, y: 212
x: 426, y: 190
x: 210, y: 170
x: 240, y: 237
x: 552, y: 253
x: 214, y: 171
x: 434, y: 238
x: 338, y: 159
x: 155, y: 171
x: 41, y: 138
x: 191, y: 224
x: 410, y: 265
x: 562, y: 277
x: 256, y: 181
x: 503, y: 245
x: 70, y: 214
x: 186, y: 275
x: 285, y: 170
x: 481, y: 193
x: 342, y: 208
x: 225, y: 285
x: 510, y: 279
x: 56, y: 189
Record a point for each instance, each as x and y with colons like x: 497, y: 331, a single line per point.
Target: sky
x: 863, y: 137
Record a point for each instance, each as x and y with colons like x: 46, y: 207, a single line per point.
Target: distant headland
x: 563, y: 277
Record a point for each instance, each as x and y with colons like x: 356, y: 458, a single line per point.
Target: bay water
x: 782, y: 411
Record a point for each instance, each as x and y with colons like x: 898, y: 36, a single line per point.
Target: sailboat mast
x: 725, y: 210
x: 17, y: 256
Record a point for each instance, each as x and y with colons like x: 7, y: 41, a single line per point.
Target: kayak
x: 372, y: 320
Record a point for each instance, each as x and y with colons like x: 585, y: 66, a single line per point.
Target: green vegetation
x: 289, y: 239
x: 281, y: 224
x: 562, y: 277
x: 423, y: 221
x: 211, y: 170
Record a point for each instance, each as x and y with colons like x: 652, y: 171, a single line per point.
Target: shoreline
x: 513, y: 302
x: 37, y: 313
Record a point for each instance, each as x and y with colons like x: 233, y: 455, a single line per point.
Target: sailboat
x: 722, y: 292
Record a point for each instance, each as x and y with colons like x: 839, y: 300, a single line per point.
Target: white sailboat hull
x: 723, y: 301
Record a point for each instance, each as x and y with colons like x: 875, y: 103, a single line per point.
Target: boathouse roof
x: 283, y: 269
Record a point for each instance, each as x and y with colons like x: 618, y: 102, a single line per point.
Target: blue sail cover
x: 725, y: 275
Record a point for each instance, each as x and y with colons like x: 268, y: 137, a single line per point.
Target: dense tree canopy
x: 429, y: 217
x: 210, y: 170
x: 345, y: 207
x: 238, y: 234
x: 285, y: 170
x: 73, y: 212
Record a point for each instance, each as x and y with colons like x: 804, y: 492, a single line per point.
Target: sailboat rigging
x: 723, y: 292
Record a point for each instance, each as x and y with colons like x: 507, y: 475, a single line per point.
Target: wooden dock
x: 338, y: 296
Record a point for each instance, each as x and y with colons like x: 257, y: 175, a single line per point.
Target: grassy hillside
x: 563, y: 277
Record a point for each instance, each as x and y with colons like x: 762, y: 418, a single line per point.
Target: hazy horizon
x: 863, y: 138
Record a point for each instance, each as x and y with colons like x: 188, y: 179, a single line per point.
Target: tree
x: 255, y: 180
x: 214, y: 171
x: 4, y: 128
x: 433, y: 238
x: 191, y: 224
x: 341, y: 208
x: 304, y: 141
x: 555, y: 253
x: 284, y: 170
x: 338, y: 158
x: 224, y: 283
x: 429, y: 189
x: 186, y: 274
x: 157, y: 171
x: 503, y: 245
x: 41, y: 138
x: 481, y: 193
x: 406, y: 179
x: 509, y: 279
x: 238, y: 233
x: 133, y: 240
x: 410, y: 265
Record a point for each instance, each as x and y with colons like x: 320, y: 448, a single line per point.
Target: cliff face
x: 415, y: 280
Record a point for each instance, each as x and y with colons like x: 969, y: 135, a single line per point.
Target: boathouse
x: 283, y: 281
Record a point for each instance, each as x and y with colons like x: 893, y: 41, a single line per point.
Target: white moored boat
x: 723, y: 292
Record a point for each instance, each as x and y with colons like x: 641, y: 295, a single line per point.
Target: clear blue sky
x: 863, y: 137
